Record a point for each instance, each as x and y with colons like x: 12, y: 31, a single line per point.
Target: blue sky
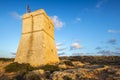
x: 82, y: 27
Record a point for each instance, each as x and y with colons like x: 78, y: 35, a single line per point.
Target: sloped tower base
x: 37, y: 45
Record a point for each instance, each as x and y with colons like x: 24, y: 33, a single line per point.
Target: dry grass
x: 81, y: 67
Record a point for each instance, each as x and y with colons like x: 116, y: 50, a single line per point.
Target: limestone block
x: 37, y: 44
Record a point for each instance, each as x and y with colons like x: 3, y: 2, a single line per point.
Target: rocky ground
x: 70, y: 68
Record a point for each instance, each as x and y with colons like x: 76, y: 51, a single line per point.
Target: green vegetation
x: 103, y: 60
x: 6, y: 59
x: 15, y: 67
x: 66, y: 78
x: 50, y: 68
x: 69, y: 63
x: 32, y: 76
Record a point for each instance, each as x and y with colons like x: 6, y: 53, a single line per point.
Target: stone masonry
x: 37, y: 45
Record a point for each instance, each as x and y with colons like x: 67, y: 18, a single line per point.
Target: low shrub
x: 32, y: 76
x: 19, y: 76
x: 15, y: 67
x: 50, y: 68
x: 6, y: 59
x: 66, y: 78
x: 69, y: 63
x: 4, y: 77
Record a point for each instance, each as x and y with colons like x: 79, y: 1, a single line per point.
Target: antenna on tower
x: 28, y: 9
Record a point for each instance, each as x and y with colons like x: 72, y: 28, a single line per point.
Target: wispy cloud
x: 75, y: 45
x: 98, y: 48
x: 117, y: 48
x: 57, y: 22
x: 113, y: 31
x: 108, y: 53
x: 77, y: 20
x: 13, y: 53
x: 60, y: 48
x: 77, y: 54
x: 16, y: 15
x: 112, y: 41
x: 59, y: 44
x: 61, y: 53
x: 100, y: 3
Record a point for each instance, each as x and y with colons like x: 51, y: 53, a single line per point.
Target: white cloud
x: 16, y: 15
x: 61, y: 53
x: 117, y: 48
x: 57, y: 22
x: 112, y: 41
x: 77, y: 40
x: 59, y: 44
x: 100, y: 3
x: 109, y: 53
x: 113, y: 31
x: 77, y: 54
x: 13, y: 53
x: 76, y: 45
x: 77, y: 20
x: 98, y: 48
x: 60, y: 48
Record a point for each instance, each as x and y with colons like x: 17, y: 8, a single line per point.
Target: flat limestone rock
x: 37, y: 45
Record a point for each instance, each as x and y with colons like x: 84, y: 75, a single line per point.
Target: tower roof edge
x: 37, y: 12
x: 40, y: 11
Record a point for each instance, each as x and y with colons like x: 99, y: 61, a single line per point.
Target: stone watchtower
x: 37, y: 46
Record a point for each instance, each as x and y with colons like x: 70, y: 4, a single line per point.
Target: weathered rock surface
x: 102, y: 73
x: 71, y: 70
